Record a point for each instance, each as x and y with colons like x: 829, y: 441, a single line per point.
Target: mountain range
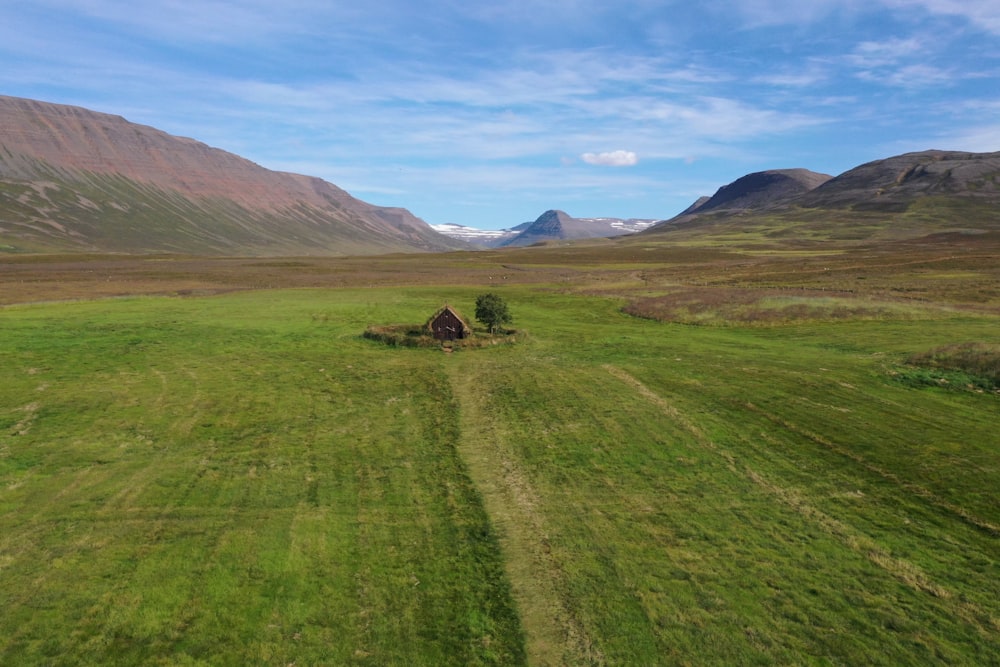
x: 481, y: 238
x: 75, y: 180
x: 888, y: 185
x: 898, y: 197
x: 552, y: 225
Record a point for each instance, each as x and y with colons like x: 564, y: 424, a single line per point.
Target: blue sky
x: 488, y: 113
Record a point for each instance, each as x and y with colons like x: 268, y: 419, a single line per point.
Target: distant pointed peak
x: 554, y: 213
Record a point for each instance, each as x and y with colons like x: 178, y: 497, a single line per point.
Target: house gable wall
x: 448, y: 326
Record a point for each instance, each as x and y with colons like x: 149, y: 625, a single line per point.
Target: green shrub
x: 969, y: 365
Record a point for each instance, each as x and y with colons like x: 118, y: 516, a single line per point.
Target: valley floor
x: 208, y: 476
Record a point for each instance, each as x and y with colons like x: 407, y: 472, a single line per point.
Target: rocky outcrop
x: 892, y: 184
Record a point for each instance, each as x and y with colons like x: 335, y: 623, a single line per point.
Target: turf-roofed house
x: 447, y: 324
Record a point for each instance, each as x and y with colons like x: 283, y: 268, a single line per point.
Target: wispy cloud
x: 977, y: 138
x: 904, y: 63
x: 209, y: 21
x: 756, y: 13
x: 982, y: 134
x: 984, y: 14
x: 791, y: 78
x: 871, y: 54
x: 911, y: 76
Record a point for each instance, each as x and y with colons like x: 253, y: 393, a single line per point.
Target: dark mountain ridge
x: 763, y: 189
x: 888, y: 184
x: 74, y: 179
x: 898, y: 197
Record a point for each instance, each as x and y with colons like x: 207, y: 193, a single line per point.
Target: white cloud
x: 611, y: 159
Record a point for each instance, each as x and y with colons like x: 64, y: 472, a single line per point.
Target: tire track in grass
x: 554, y: 634
x: 30, y: 414
x: 161, y: 395
x: 903, y: 570
x: 194, y: 409
x: 915, y: 489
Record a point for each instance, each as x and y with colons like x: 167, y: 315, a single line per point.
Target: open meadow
x: 691, y: 455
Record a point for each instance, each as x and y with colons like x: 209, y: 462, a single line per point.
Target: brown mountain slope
x: 74, y: 179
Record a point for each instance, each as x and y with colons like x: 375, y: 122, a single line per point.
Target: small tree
x: 492, y: 311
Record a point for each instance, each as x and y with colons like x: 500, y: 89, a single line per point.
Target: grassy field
x: 236, y: 476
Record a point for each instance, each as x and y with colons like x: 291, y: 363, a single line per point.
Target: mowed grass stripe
x: 554, y: 635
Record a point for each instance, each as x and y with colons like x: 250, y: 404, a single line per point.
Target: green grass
x: 233, y: 482
x: 243, y: 479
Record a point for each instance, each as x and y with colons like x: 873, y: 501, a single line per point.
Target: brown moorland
x: 657, y: 278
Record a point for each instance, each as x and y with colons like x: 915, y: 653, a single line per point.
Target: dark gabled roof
x: 446, y: 308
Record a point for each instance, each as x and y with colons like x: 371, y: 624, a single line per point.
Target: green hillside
x: 55, y: 211
x: 799, y: 226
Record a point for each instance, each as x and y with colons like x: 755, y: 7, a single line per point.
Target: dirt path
x: 554, y: 636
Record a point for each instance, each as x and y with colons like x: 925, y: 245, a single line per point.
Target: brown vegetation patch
x: 735, y: 305
x: 977, y: 359
x: 35, y: 278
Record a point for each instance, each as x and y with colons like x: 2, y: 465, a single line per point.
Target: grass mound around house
x: 414, y: 335
x: 400, y: 335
